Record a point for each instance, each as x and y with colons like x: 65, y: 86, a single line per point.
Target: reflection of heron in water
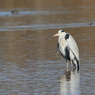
x: 70, y: 83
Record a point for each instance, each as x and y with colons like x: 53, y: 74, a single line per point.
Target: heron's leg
x: 66, y: 65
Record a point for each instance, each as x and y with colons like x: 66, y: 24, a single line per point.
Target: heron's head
x: 60, y: 32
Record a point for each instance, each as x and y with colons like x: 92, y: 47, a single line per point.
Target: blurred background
x: 29, y: 64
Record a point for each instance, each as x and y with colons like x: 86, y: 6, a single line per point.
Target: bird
x: 68, y: 48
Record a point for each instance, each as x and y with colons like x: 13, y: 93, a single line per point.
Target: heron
x: 68, y: 48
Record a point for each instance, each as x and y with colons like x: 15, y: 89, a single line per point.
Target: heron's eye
x: 62, y: 31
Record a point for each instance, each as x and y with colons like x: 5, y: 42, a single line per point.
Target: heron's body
x: 68, y: 48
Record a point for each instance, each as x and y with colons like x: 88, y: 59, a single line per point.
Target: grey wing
x: 73, y: 46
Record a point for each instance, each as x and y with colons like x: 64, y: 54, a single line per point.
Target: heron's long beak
x: 56, y: 35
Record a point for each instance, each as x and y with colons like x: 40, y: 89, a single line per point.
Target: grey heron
x: 68, y: 48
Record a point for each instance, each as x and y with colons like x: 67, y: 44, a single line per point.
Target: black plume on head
x: 62, y: 31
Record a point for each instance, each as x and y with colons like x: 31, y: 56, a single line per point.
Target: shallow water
x: 29, y: 64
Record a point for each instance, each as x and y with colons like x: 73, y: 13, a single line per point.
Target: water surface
x: 29, y: 64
